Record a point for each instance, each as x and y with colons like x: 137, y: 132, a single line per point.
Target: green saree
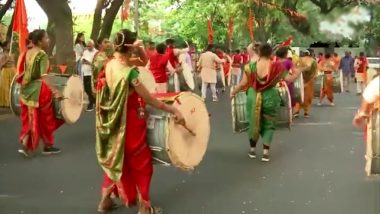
x: 37, y: 64
x: 263, y: 102
x: 111, y: 121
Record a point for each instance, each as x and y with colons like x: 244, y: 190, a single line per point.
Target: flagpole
x: 11, y: 45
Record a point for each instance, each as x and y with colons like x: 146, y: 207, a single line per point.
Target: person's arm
x: 240, y: 86
x: 142, y: 60
x: 295, y: 74
x: 199, y: 64
x: 218, y: 60
x: 370, y: 96
x: 170, y: 68
x: 178, y: 52
x: 152, y: 101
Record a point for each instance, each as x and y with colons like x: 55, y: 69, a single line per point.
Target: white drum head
x: 14, y: 96
x: 289, y: 103
x: 299, y: 85
x: 185, y: 150
x: 72, y: 104
x: 147, y: 79
x: 371, y: 73
x: 188, y: 75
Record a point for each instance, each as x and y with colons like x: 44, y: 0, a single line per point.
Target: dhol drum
x: 197, y: 84
x: 338, y: 82
x: 373, y: 144
x: 173, y: 144
x: 188, y: 76
x: 182, y: 83
x: 239, y: 113
x: 299, y: 91
x: 147, y: 79
x: 219, y: 78
x: 285, y: 114
x: 337, y: 85
x: 68, y: 100
x: 318, y: 85
x: 239, y: 110
x: 15, y: 97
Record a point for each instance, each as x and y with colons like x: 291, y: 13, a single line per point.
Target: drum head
x: 72, y: 104
x: 318, y: 85
x: 185, y: 150
x: 147, y: 79
x: 286, y: 112
x: 171, y: 83
x: 15, y: 97
x: 371, y: 73
x: 299, y: 87
x: 188, y: 75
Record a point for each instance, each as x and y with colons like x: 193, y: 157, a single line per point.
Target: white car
x: 374, y: 62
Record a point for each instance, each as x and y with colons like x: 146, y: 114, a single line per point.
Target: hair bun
x: 124, y: 38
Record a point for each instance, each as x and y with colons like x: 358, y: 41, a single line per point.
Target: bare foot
x: 106, y: 204
x: 150, y: 210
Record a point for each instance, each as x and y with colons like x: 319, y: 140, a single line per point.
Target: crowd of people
x: 112, y: 82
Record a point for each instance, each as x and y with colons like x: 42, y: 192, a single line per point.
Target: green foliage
x: 162, y: 19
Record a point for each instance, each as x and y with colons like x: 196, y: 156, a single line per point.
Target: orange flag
x: 210, y: 32
x: 125, y: 10
x: 250, y: 25
x: 230, y: 31
x: 20, y: 24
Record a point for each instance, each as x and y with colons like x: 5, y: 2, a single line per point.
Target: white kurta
x: 207, y: 62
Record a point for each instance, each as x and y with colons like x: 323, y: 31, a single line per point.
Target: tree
x: 4, y: 8
x: 61, y: 28
x: 102, y: 28
x: 326, y: 6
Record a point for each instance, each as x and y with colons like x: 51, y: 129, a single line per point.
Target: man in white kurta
x: 207, y: 63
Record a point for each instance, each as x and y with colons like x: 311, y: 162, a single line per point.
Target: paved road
x: 316, y: 168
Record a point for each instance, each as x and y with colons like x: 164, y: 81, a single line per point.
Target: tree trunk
x: 51, y: 32
x: 109, y: 19
x: 299, y: 23
x: 136, y: 15
x: 5, y: 8
x: 97, y: 22
x: 10, y: 30
x: 59, y: 15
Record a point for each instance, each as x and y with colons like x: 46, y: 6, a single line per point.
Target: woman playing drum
x: 121, y: 144
x: 37, y: 113
x: 369, y: 112
x: 328, y: 66
x: 263, y: 100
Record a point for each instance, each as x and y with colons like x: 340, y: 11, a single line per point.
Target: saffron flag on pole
x: 250, y: 25
x: 230, y: 31
x: 210, y: 32
x: 20, y: 24
x: 125, y: 10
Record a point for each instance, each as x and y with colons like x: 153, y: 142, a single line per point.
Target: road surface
x: 316, y: 168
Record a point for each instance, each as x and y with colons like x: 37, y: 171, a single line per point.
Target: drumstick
x: 189, y: 130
